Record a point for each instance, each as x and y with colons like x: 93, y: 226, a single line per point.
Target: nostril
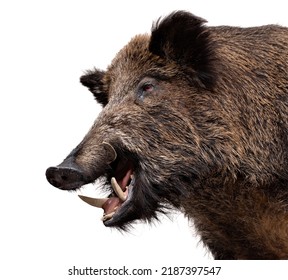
x: 64, y: 178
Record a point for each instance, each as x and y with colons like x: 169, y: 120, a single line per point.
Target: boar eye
x: 145, y: 89
x: 148, y: 88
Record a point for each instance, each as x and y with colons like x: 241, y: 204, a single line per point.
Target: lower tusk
x: 96, y: 202
x: 118, y: 190
x: 107, y: 217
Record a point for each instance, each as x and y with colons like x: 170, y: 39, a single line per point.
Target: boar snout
x: 69, y: 175
x: 66, y: 176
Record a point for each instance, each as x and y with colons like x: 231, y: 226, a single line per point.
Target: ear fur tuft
x: 93, y: 79
x: 183, y: 38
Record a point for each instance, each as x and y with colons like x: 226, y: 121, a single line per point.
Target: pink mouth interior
x: 122, y: 176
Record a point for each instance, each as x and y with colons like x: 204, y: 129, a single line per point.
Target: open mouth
x: 120, y: 170
x: 122, y: 181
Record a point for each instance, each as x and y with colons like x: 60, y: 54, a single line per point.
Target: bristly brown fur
x: 202, y: 113
x: 182, y: 38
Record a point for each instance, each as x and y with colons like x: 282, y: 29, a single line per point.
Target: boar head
x: 145, y: 143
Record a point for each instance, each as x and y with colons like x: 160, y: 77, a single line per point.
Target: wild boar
x: 194, y: 118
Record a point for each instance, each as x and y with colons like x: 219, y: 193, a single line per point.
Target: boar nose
x: 63, y: 177
x: 75, y: 172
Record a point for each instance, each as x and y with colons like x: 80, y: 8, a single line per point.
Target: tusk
x: 118, y: 190
x: 107, y: 217
x: 96, y: 202
x: 110, y: 152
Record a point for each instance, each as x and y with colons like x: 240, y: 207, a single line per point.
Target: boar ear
x: 93, y: 79
x: 183, y: 38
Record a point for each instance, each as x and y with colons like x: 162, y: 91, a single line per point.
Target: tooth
x: 118, y: 190
x: 107, y: 217
x: 96, y: 202
x: 110, y: 152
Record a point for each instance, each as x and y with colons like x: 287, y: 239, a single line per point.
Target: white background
x: 45, y: 47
